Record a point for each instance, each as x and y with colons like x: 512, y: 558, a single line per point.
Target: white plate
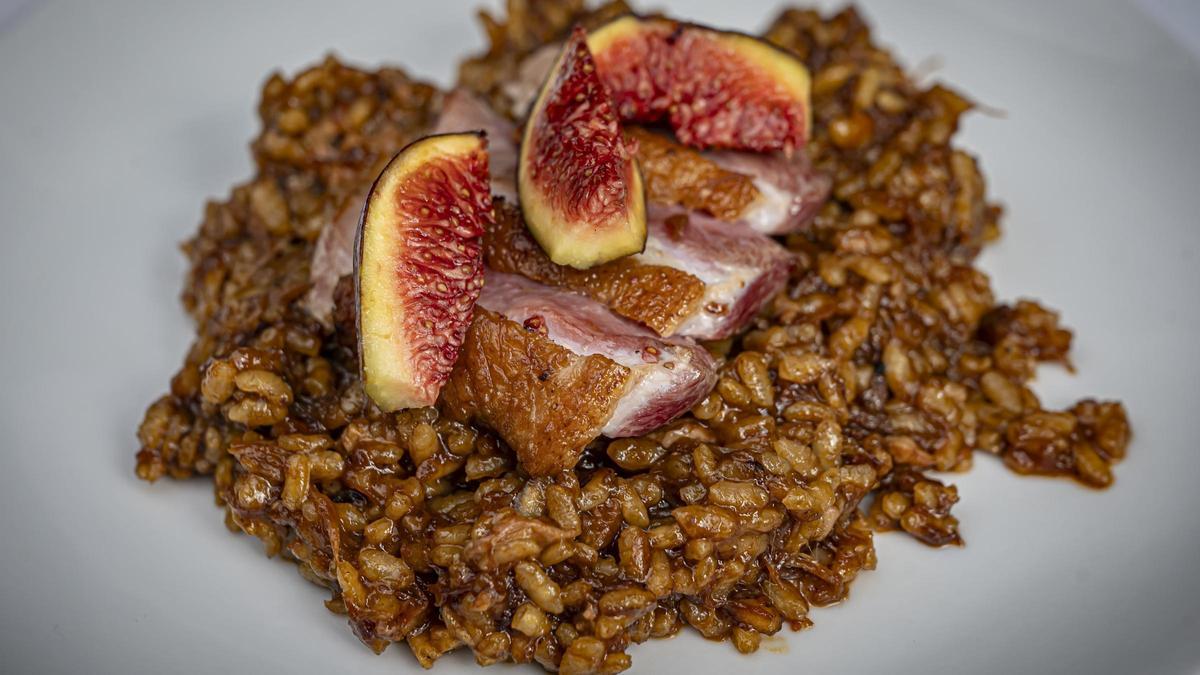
x: 117, y: 120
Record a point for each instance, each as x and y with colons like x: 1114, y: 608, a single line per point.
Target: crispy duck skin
x: 677, y: 174
x: 546, y: 402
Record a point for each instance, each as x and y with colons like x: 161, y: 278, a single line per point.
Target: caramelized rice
x: 885, y: 358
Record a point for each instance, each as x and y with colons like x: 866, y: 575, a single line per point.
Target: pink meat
x: 741, y: 269
x: 667, y: 375
x: 332, y: 258
x: 792, y: 190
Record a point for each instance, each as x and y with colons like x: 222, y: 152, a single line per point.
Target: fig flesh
x: 419, y: 266
x: 580, y: 188
x: 716, y: 89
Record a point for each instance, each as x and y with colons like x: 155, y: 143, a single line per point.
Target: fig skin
x: 581, y: 190
x: 716, y: 89
x: 419, y: 266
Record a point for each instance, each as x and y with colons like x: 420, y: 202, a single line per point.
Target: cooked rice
x: 886, y: 357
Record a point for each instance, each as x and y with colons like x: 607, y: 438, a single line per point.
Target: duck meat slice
x: 658, y: 296
x: 550, y: 371
x: 791, y: 190
x: 698, y: 277
x: 741, y: 269
x: 771, y: 193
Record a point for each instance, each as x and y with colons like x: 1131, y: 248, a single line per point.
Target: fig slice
x: 419, y: 266
x: 580, y: 188
x: 717, y: 89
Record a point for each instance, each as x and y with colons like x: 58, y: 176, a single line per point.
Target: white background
x: 118, y: 119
